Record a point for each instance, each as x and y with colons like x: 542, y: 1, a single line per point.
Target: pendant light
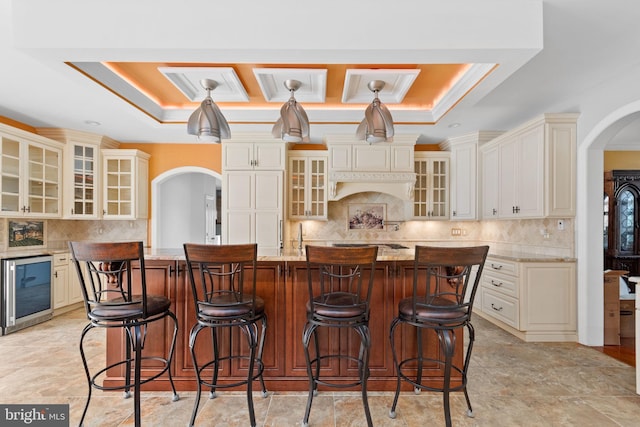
x: 293, y: 124
x: 377, y: 125
x: 207, y: 122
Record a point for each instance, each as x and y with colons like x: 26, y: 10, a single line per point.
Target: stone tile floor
x: 511, y: 383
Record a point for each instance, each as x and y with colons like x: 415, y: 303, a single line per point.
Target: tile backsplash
x: 537, y: 236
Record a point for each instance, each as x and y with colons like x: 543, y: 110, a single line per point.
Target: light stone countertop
x: 384, y: 254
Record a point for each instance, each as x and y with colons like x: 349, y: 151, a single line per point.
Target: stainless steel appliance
x: 27, y: 292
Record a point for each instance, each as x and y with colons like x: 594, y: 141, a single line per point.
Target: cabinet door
x: 463, y: 182
x: 60, y: 286
x: 43, y: 180
x: 269, y: 156
x: 121, y: 187
x: 307, y: 187
x: 508, y: 179
x: 530, y: 179
x: 10, y: 178
x: 548, y: 299
x: 248, y: 156
x: 431, y: 191
x: 490, y: 182
x: 82, y: 200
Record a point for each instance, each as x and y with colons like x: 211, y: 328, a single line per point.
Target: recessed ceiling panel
x: 187, y: 79
x: 397, y: 84
x: 271, y: 81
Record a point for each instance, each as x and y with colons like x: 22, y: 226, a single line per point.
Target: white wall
x: 181, y: 209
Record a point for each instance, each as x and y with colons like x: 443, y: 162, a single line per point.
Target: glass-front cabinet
x: 82, y: 171
x: 622, y: 213
x: 31, y: 174
x: 125, y: 175
x: 307, y: 186
x: 431, y: 190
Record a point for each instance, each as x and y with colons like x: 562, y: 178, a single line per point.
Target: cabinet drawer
x: 504, y: 267
x: 60, y: 259
x: 501, y: 307
x: 499, y: 283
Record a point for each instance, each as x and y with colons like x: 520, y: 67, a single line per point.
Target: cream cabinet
x: 536, y: 169
x: 30, y: 174
x: 348, y: 155
x: 431, y: 191
x: 252, y: 209
x: 125, y: 175
x: 253, y: 192
x: 489, y: 181
x: 241, y: 155
x: 66, y: 287
x: 307, y: 185
x: 535, y: 301
x: 82, y: 176
x: 463, y: 173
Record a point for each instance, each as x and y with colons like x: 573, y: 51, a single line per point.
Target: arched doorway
x: 183, y: 200
x: 589, y: 220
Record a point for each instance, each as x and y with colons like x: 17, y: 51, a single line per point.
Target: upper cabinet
x: 252, y: 192
x: 30, y: 174
x: 308, y: 184
x: 431, y: 192
x: 125, y: 180
x: 241, y: 155
x: 82, y: 171
x: 463, y: 173
x: 536, y: 170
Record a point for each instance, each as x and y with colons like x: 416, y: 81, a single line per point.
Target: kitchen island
x: 282, y: 283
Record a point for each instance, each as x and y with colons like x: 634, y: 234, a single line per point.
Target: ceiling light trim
x: 313, y: 83
x: 187, y: 80
x: 397, y: 84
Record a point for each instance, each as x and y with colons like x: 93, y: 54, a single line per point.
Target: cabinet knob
x: 496, y: 266
x: 496, y: 284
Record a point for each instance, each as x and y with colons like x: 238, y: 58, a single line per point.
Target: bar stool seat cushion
x: 156, y: 304
x: 338, y: 305
x: 439, y: 310
x: 228, y: 305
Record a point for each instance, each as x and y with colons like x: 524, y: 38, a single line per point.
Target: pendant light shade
x: 293, y: 124
x: 207, y: 122
x: 377, y: 125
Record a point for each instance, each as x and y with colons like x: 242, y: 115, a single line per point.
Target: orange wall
x: 621, y: 160
x: 165, y: 157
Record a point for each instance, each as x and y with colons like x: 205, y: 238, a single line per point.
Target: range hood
x: 356, y: 167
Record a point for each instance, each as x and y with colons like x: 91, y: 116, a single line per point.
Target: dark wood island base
x: 283, y: 286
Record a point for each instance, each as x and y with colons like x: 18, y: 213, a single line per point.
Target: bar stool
x: 225, y: 298
x: 445, y: 281
x: 338, y: 298
x: 115, y: 297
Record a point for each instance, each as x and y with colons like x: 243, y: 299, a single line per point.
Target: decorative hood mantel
x: 356, y: 167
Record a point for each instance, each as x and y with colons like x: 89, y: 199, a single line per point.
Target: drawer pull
x: 496, y: 308
x: 496, y: 267
x: 496, y: 284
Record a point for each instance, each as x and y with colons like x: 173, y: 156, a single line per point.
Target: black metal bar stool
x: 114, y: 297
x: 445, y: 281
x: 340, y: 281
x: 225, y: 298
